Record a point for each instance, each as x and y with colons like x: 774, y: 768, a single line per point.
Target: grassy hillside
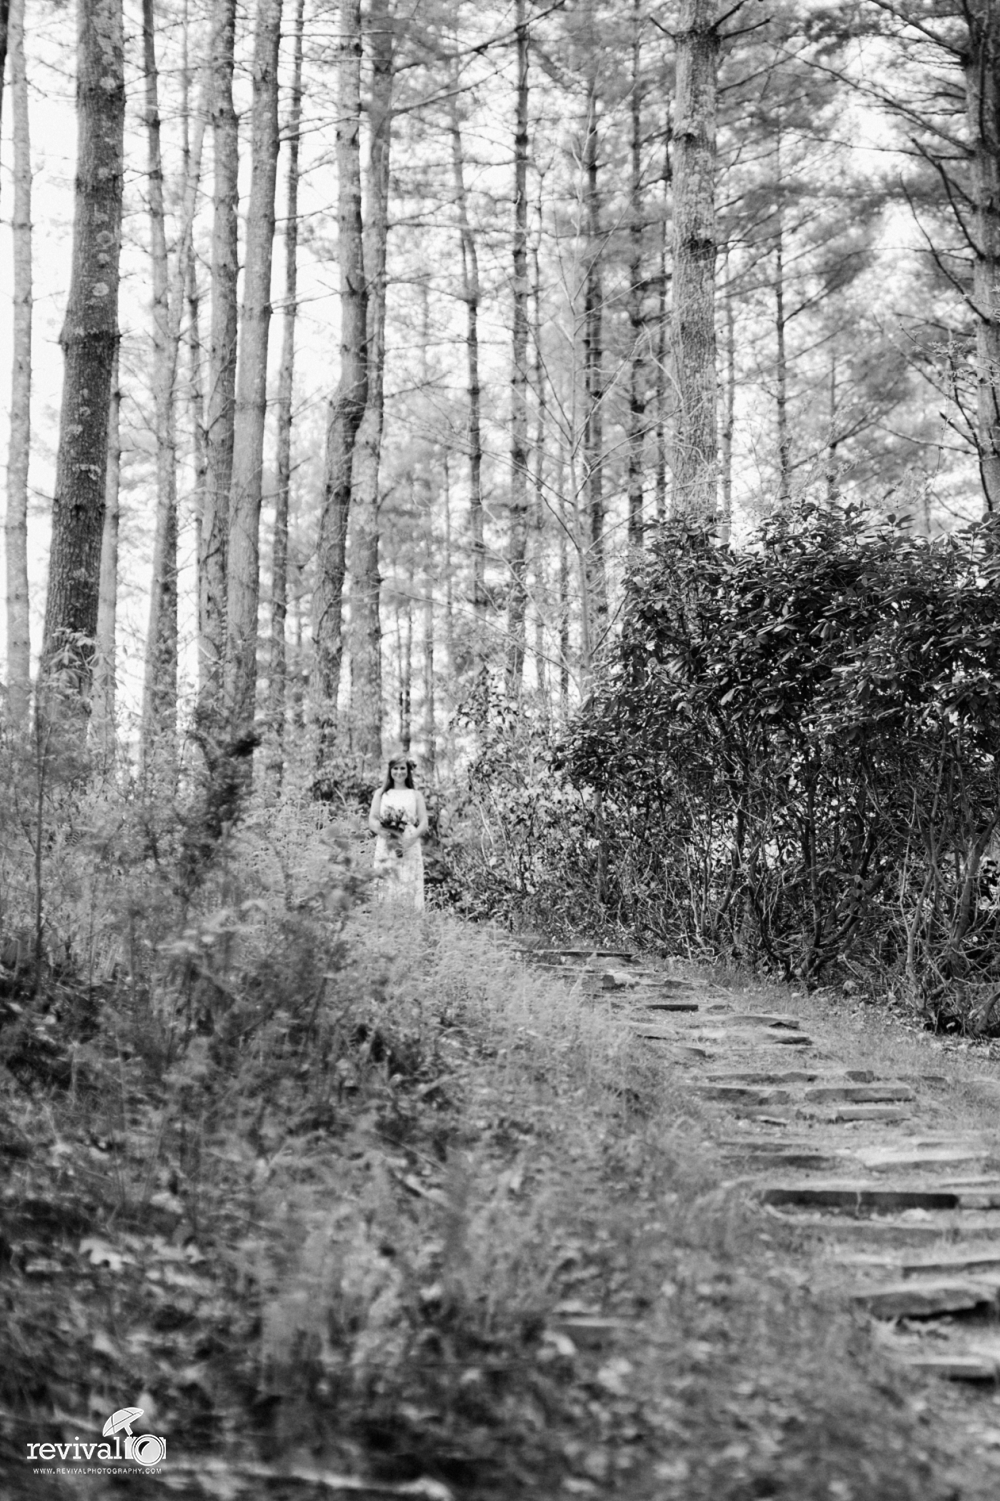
x: 328, y: 1198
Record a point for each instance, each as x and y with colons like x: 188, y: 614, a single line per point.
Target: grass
x: 335, y: 1195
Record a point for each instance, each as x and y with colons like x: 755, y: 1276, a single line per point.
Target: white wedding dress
x: 401, y: 878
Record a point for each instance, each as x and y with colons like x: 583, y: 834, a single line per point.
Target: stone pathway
x: 901, y: 1213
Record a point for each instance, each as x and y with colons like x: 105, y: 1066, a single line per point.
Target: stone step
x: 743, y: 1094
x: 952, y: 1366
x: 670, y: 1006
x: 777, y: 1155
x: 882, y: 1232
x: 763, y: 1019
x: 841, y: 1114
x: 788, y: 1076
x: 571, y: 954
x: 929, y: 1297
x: 858, y: 1194
x: 893, y: 1159
x: 614, y: 979
x: 945, y: 1263
x: 859, y: 1094
x: 730, y: 1036
x: 650, y: 1032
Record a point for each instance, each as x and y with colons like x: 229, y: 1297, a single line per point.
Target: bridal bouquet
x: 394, y: 821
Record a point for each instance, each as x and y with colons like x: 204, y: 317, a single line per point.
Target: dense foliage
x: 797, y: 749
x: 791, y: 760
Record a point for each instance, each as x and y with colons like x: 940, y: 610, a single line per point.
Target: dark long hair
x: 394, y: 761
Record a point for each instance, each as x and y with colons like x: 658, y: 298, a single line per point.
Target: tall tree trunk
x: 102, y: 722
x: 347, y: 406
x: 540, y: 507
x: 159, y: 708
x: 832, y: 477
x: 449, y: 588
x: 4, y: 29
x: 637, y: 327
x: 470, y: 295
x: 89, y: 340
x: 593, y: 366
x: 243, y: 553
x: 196, y: 417
x: 16, y: 524
x: 366, y: 629
x: 728, y: 410
x: 696, y: 459
x: 277, y: 667
x: 981, y: 66
x: 518, y: 555
x: 430, y: 705
x: 564, y: 642
x: 188, y: 293
x: 662, y: 351
x: 221, y: 367
x: 781, y: 352
x: 404, y: 647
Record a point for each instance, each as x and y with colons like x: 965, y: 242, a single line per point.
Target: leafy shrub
x: 795, y: 748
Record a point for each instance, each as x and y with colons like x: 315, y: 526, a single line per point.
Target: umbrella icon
x: 122, y: 1420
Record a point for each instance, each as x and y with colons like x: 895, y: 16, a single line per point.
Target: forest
x: 598, y: 400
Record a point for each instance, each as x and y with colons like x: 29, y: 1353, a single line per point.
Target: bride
x: 398, y: 819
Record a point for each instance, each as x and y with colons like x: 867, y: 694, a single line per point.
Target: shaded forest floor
x: 443, y: 1228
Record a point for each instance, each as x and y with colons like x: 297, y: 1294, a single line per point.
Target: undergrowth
x: 325, y: 1194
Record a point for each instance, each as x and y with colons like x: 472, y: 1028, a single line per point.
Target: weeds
x: 302, y: 1182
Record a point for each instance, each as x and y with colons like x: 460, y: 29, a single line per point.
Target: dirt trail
x: 863, y: 1171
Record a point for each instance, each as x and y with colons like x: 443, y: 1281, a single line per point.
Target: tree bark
x: 159, y: 708
x: 89, y: 341
x: 366, y: 582
x: 277, y: 666
x: 781, y: 351
x: 222, y: 334
x: 636, y: 436
x: 596, y: 601
x: 430, y: 705
x: 16, y: 523
x: 102, y: 723
x: 696, y: 458
x: 243, y: 552
x: 518, y: 555
x: 539, y: 509
x: 728, y: 410
x: 4, y: 32
x: 404, y: 646
x: 470, y: 295
x: 347, y: 406
x: 564, y: 640
x: 449, y: 588
x: 982, y: 93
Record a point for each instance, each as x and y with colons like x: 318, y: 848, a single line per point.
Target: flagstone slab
x: 762, y: 1076
x: 859, y: 1194
x: 803, y: 1158
x: 930, y: 1297
x: 784, y: 1039
x: 947, y: 1262
x: 743, y: 1094
x: 860, y: 1094
x: 844, y: 1114
x: 952, y: 1367
x: 889, y: 1159
x: 670, y: 1006
x: 882, y: 1232
x: 763, y: 1019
